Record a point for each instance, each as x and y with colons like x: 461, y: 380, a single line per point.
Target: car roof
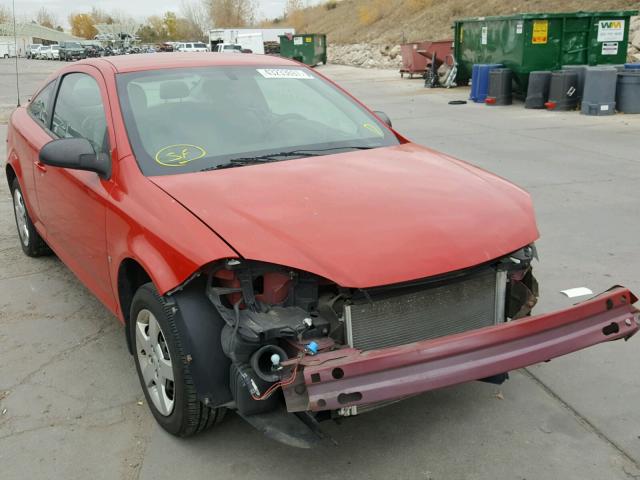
x: 155, y: 61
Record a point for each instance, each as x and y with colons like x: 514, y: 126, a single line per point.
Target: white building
x: 30, y: 33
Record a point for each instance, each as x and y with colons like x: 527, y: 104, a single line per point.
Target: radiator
x: 470, y: 302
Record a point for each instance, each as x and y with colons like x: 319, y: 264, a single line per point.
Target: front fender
x: 143, y: 223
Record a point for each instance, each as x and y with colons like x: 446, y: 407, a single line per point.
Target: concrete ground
x: 71, y: 406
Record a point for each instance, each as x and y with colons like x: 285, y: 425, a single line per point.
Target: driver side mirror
x: 76, y: 154
x: 385, y: 118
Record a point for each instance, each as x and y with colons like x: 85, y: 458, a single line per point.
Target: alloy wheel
x: 155, y: 362
x: 21, y: 217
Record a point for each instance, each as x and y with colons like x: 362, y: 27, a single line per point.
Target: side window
x: 79, y: 111
x: 39, y: 106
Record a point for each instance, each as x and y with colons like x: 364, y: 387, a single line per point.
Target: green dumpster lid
x: 534, y: 16
x: 305, y: 35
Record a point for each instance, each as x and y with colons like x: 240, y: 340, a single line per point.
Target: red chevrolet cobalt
x: 275, y: 248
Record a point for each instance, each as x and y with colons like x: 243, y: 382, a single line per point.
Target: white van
x: 193, y: 47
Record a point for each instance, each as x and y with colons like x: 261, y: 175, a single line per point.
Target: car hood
x: 364, y: 218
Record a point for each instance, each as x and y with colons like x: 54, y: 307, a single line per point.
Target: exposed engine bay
x: 278, y: 320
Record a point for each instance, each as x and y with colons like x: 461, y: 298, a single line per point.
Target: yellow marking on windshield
x: 179, y: 154
x: 374, y: 128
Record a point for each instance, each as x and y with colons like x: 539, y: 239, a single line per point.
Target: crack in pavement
x: 586, y: 423
x: 21, y: 275
x: 61, y: 355
x: 75, y: 422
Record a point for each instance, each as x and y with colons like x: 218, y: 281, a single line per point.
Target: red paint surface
x: 363, y: 218
x: 360, y: 219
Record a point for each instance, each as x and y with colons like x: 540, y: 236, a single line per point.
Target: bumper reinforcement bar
x: 348, y: 377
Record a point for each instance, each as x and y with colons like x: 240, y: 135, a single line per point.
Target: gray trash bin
x: 581, y: 71
x: 563, y: 91
x: 628, y: 92
x: 500, y: 85
x: 538, y: 89
x: 599, y: 97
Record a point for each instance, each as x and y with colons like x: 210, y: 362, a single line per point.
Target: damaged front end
x: 301, y: 344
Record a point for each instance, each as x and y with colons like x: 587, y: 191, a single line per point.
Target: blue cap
x: 312, y: 347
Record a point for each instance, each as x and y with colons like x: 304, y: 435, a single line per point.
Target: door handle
x: 40, y: 166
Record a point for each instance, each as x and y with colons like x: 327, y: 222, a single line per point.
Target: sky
x: 139, y: 9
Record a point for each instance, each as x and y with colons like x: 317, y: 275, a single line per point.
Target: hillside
x: 392, y: 21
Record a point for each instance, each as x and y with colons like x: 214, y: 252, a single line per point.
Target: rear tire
x: 30, y: 240
x: 158, y: 355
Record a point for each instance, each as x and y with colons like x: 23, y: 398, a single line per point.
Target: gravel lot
x: 71, y: 406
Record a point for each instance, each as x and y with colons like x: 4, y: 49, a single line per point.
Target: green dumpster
x: 541, y: 41
x: 308, y: 48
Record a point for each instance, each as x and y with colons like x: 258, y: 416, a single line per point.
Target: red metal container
x: 417, y: 56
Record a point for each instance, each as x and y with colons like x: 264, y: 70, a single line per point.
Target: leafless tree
x: 231, y: 13
x: 196, y: 15
x: 45, y: 18
x: 292, y: 6
x: 5, y: 14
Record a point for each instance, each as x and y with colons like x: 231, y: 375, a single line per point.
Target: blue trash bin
x: 480, y: 81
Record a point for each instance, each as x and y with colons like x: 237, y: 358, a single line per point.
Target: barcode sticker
x: 284, y: 73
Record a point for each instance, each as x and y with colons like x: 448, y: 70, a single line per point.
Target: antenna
x: 15, y: 46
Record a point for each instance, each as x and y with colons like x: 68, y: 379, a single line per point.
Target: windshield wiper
x: 348, y: 147
x: 275, y: 157
x: 269, y: 157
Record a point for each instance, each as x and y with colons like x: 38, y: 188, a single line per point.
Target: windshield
x: 56, y: 47
x: 73, y: 45
x: 187, y: 120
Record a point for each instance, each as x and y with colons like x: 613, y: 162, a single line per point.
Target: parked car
x: 53, y: 53
x: 192, y: 47
x: 93, y: 51
x: 43, y: 52
x: 48, y: 52
x: 32, y: 50
x: 71, y: 51
x: 164, y: 47
x: 229, y: 48
x: 277, y: 248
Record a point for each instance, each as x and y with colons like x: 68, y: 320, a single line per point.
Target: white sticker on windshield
x: 284, y: 73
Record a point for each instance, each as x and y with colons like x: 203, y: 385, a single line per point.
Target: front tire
x: 30, y: 240
x: 163, y: 369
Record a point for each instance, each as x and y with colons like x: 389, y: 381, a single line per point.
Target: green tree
x: 147, y: 34
x: 170, y: 21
